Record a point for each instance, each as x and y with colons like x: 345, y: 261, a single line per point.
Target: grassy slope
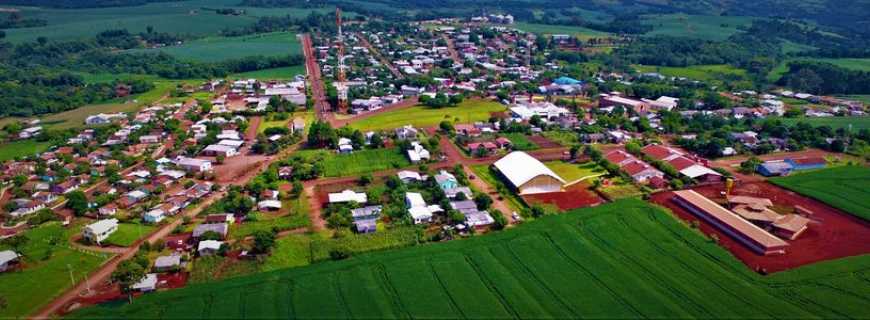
x: 621, y: 260
x: 583, y: 33
x: 46, y: 271
x: 21, y: 148
x: 695, y: 26
x: 468, y: 111
x: 223, y: 48
x: 699, y: 72
x: 571, y: 172
x: 842, y: 187
x: 284, y: 73
x: 848, y: 63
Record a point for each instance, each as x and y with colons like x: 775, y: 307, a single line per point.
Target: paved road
x: 321, y: 107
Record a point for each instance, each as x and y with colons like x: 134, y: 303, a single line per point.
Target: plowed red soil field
x: 575, y: 196
x: 832, y: 233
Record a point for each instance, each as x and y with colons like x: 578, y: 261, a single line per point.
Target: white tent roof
x: 519, y: 167
x: 697, y: 171
x: 8, y: 255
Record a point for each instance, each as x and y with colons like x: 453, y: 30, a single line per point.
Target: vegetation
x: 21, y: 148
x: 604, y: 267
x: 843, y: 187
x: 358, y: 162
x: 571, y: 172
x: 215, y: 49
x: 520, y: 141
x: 422, y: 117
x: 695, y: 26
x: 128, y: 233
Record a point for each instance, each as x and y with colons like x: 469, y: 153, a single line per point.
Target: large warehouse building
x: 730, y: 223
x: 527, y: 174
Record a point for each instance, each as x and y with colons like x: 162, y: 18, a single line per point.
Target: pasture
x: 695, y: 26
x: 521, y: 141
x: 621, y: 260
x: 468, y: 111
x: 857, y: 123
x: 48, y: 260
x: 844, y: 187
x: 128, y: 233
x: 358, y: 162
x: 213, y: 49
x: 859, y: 64
x: 191, y: 18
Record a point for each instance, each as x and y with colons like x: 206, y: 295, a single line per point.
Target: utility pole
x: 71, y: 279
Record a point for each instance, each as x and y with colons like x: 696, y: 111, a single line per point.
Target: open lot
x: 284, y: 73
x: 699, y: 72
x: 574, y: 196
x: 581, y: 32
x: 358, y: 162
x: 572, y: 172
x: 621, y: 260
x: 832, y: 234
x: 48, y: 261
x: 422, y: 117
x: 21, y: 148
x: 212, y: 49
x: 844, y: 187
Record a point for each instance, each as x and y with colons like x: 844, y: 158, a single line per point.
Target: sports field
x: 695, y: 26
x: 857, y: 123
x: 183, y: 17
x: 421, y: 117
x: 358, y: 162
x: 621, y: 260
x: 843, y: 187
x: 47, y: 265
x: 224, y: 48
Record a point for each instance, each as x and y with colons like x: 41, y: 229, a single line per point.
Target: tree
x: 220, y: 159
x: 483, y: 201
x: 128, y: 274
x: 263, y: 241
x: 2, y: 34
x: 499, y: 220
x: 750, y: 165
x: 366, y: 179
x: 77, y: 201
x: 210, y: 235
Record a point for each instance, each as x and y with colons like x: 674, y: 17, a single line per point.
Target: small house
x: 98, y: 231
x: 209, y: 247
x: 8, y: 259
x: 147, y: 284
x: 167, y: 263
x: 219, y: 228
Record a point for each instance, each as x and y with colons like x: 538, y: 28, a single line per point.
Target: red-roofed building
x: 618, y: 157
x: 660, y: 152
x: 681, y: 163
x: 641, y: 172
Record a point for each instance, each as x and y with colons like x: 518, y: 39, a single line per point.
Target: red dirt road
x: 322, y: 108
x: 832, y: 234
x: 574, y: 196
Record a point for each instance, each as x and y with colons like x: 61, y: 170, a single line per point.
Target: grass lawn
x: 284, y: 73
x: 421, y: 117
x: 358, y: 162
x: 562, y: 137
x: 521, y: 141
x: 290, y: 251
x: 619, y: 189
x: 699, y: 72
x: 619, y: 260
x: 857, y: 123
x: 128, y: 233
x: 571, y: 172
x: 224, y: 48
x: 842, y: 187
x: 308, y: 116
x: 46, y: 273
x: 695, y: 26
x: 21, y: 148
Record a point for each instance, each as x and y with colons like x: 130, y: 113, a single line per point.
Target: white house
x: 348, y: 196
x: 417, y: 153
x: 154, y: 216
x: 220, y: 150
x: 417, y: 208
x: 100, y: 230
x: 209, y: 247
x: 193, y: 164
x: 147, y: 284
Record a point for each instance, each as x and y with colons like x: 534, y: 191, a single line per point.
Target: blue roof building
x: 567, y: 81
x: 774, y: 168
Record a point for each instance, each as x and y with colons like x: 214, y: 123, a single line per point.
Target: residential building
x: 98, y: 231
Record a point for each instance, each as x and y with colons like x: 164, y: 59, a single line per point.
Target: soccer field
x: 421, y: 117
x: 844, y: 188
x: 620, y: 260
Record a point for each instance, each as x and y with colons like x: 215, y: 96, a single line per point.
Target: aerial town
x: 462, y: 145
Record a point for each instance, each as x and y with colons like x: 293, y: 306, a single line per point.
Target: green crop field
x: 284, y: 73
x: 695, y: 26
x: 571, y: 172
x: 224, y: 48
x: 620, y: 260
x: 358, y: 162
x: 128, y: 233
x: 848, y: 63
x: 46, y: 273
x: 184, y: 17
x: 699, y: 72
x: 21, y: 148
x: 843, y: 187
x: 421, y: 117
x: 857, y: 123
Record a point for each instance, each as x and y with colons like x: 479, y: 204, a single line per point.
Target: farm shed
x: 774, y: 168
x: 527, y: 174
x: 8, y: 258
x: 730, y: 223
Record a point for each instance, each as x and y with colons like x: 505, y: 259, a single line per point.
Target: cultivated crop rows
x: 626, y: 260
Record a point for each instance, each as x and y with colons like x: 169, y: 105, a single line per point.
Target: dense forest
x: 73, y: 4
